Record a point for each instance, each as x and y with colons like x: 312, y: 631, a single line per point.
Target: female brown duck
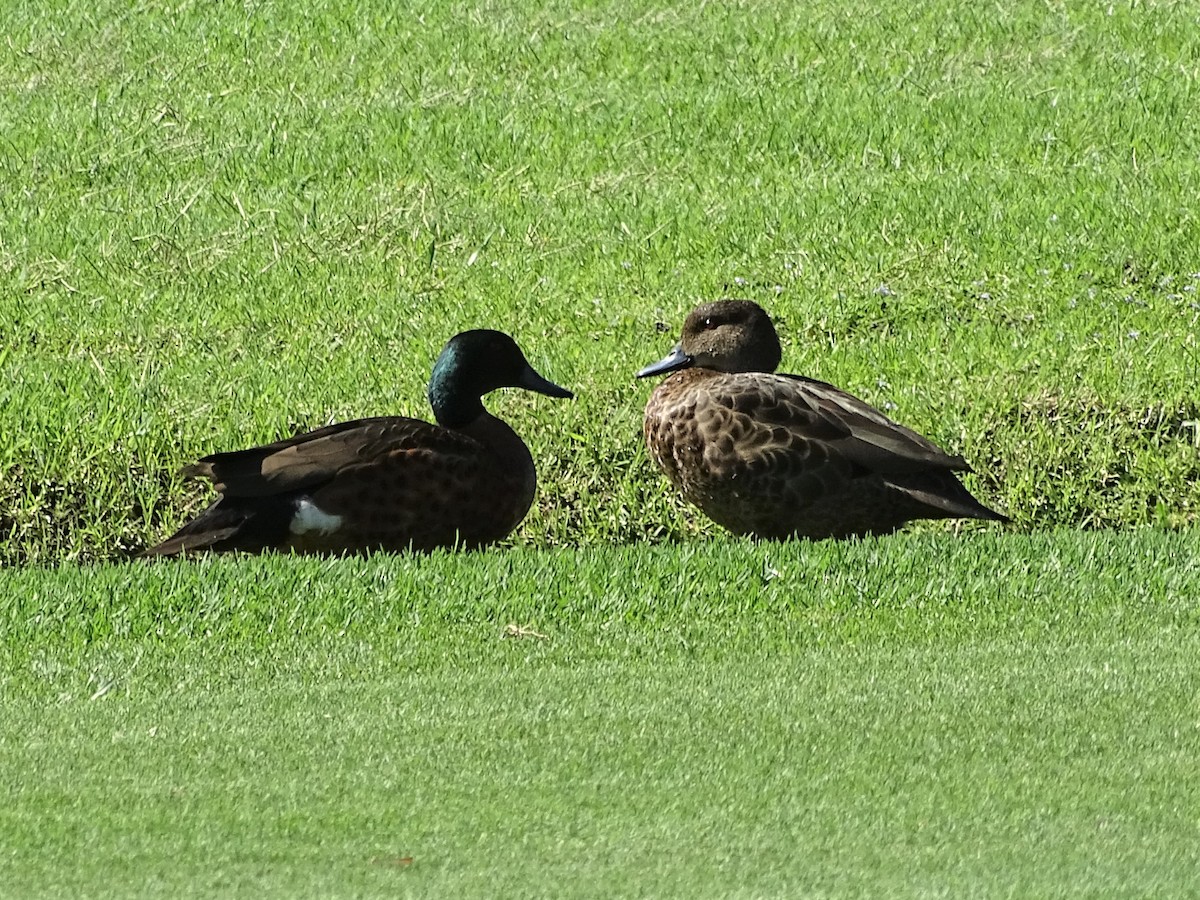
x: 387, y: 483
x: 780, y: 456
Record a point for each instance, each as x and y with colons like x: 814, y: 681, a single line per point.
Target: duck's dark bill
x: 672, y: 362
x: 532, y: 381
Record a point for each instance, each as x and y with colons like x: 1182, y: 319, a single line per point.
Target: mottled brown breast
x: 745, y: 452
x: 777, y: 455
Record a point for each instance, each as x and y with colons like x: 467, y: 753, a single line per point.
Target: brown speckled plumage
x: 387, y: 483
x: 779, y: 456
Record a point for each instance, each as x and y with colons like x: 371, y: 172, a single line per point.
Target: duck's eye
x: 708, y: 323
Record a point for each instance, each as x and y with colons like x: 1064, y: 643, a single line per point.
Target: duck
x: 386, y: 483
x: 776, y: 456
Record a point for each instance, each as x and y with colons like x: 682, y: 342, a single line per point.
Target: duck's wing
x: 315, y: 458
x: 817, y: 414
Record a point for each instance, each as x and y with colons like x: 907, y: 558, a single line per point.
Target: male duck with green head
x: 385, y: 483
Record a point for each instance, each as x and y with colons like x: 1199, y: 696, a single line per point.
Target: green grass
x: 228, y: 223
x: 927, y: 715
x: 222, y: 223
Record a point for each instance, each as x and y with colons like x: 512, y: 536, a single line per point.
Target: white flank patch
x: 311, y: 518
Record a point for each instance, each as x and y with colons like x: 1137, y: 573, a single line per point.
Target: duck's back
x: 388, y: 483
x: 779, y: 456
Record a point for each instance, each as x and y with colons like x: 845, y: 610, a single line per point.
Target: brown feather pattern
x: 385, y: 483
x: 780, y: 456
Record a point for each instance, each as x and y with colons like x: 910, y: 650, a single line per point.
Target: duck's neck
x: 456, y: 411
x: 457, y: 407
x: 453, y: 405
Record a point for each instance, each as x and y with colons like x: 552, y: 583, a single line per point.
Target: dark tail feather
x: 227, y: 526
x: 943, y: 492
x: 180, y: 544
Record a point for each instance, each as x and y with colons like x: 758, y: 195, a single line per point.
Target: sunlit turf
x: 224, y: 223
x: 923, y: 715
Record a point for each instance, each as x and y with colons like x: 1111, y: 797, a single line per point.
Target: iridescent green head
x: 474, y: 363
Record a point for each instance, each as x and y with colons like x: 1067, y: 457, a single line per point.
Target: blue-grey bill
x: 532, y: 381
x: 672, y: 362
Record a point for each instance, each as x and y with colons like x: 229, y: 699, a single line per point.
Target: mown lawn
x: 224, y: 223
x: 927, y: 715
